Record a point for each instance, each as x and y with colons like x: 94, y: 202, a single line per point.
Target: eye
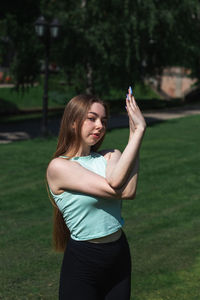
x: 91, y: 119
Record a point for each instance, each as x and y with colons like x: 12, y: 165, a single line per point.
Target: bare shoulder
x: 56, y: 166
x: 110, y: 154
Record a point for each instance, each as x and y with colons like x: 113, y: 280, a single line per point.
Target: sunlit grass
x: 162, y: 224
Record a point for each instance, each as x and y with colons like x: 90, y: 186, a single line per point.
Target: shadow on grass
x: 122, y: 121
x: 117, y: 105
x: 31, y: 127
x: 7, y: 107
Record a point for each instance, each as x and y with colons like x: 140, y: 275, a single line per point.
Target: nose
x: 99, y: 124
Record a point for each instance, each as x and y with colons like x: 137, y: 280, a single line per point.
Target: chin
x: 94, y: 143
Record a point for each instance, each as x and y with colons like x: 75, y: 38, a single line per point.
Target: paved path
x: 22, y: 130
x: 173, y: 113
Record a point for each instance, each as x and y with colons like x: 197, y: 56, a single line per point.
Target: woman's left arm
x: 121, y: 165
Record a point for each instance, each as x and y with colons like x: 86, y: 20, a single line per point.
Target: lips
x: 96, y: 135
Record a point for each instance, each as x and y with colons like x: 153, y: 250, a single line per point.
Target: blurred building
x: 174, y: 82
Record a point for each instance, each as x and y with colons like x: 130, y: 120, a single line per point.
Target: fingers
x: 133, y: 108
x: 133, y: 103
x: 128, y: 105
x: 135, y: 115
x: 130, y: 100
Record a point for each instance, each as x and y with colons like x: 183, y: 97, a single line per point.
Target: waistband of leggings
x: 82, y: 242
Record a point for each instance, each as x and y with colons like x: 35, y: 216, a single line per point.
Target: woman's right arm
x: 69, y: 175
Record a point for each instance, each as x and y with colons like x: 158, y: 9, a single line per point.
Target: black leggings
x: 92, y: 271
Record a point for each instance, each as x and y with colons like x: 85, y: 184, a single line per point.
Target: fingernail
x: 130, y: 89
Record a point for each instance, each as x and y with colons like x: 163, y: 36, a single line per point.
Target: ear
x: 74, y: 126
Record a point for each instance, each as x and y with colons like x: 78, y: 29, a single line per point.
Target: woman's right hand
x: 136, y: 119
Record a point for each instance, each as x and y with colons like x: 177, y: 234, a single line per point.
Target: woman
x: 87, y: 188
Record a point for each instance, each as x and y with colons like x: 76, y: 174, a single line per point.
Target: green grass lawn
x: 30, y: 99
x: 162, y: 224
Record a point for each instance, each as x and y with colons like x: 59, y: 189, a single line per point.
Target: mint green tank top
x: 89, y: 217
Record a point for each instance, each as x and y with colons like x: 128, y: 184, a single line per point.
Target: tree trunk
x: 89, y: 73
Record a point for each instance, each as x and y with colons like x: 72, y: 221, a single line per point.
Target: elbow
x: 129, y: 195
x: 114, y: 183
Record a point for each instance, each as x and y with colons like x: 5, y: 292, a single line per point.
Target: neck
x: 81, y: 152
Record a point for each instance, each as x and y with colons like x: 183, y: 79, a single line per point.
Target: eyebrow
x: 91, y: 112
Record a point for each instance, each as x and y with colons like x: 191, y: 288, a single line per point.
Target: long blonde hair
x: 69, y: 140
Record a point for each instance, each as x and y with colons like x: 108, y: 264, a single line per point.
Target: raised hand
x: 136, y: 119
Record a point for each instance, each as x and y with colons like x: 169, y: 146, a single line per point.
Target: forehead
x: 97, y: 108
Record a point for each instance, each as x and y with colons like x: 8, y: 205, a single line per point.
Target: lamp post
x: 46, y: 32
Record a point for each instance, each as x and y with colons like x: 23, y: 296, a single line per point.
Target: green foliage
x: 107, y: 44
x: 19, y: 21
x: 122, y: 42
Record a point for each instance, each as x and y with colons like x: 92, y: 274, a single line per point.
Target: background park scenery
x: 103, y: 47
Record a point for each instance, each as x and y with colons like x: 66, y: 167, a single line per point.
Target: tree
x: 18, y: 19
x: 119, y: 42
x: 108, y: 43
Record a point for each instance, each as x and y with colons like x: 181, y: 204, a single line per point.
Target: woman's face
x: 94, y: 126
